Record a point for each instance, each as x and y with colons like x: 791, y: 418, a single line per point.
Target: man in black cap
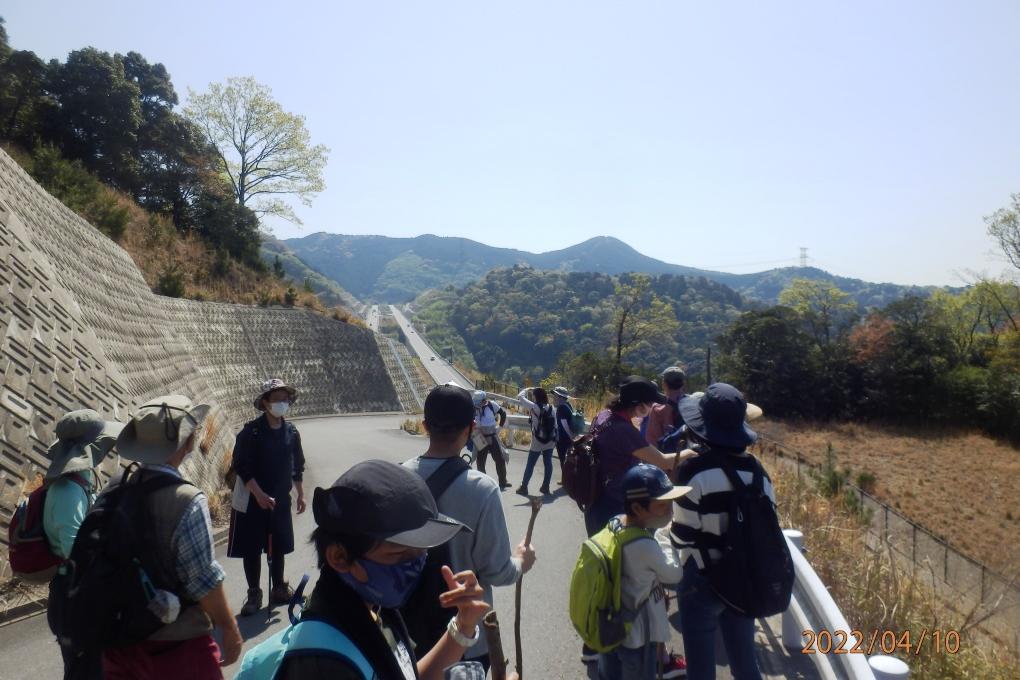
x: 374, y: 528
x: 469, y: 496
x: 716, y: 423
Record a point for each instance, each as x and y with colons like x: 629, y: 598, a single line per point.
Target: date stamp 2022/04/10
x: 881, y: 642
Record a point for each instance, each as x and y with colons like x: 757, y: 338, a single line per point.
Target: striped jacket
x: 701, y: 517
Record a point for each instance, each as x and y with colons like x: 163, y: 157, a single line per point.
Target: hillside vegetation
x: 102, y: 133
x: 521, y: 321
x: 382, y: 269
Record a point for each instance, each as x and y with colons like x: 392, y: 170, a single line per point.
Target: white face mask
x: 279, y: 408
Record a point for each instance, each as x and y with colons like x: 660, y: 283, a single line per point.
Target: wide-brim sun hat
x: 561, y: 391
x: 159, y: 428
x: 269, y: 386
x: 719, y: 416
x: 84, y: 439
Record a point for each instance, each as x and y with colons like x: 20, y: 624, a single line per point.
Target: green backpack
x: 595, y: 607
x: 577, y: 423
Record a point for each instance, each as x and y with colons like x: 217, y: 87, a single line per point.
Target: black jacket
x: 273, y: 457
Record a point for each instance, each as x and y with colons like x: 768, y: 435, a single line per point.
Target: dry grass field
x: 963, y: 486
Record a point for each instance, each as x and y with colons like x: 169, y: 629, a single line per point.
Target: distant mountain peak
x: 384, y: 269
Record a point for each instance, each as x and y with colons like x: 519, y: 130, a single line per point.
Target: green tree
x: 828, y: 311
x: 99, y: 114
x: 641, y: 318
x: 22, y: 75
x: 1004, y: 227
x: 767, y: 354
x: 265, y: 151
x: 278, y: 270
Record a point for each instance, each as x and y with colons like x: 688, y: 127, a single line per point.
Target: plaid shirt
x: 196, y: 564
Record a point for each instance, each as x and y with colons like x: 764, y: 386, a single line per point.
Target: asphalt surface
x: 332, y: 445
x: 27, y: 650
x: 440, y: 369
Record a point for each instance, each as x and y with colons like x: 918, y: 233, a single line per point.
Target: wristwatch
x: 459, y: 637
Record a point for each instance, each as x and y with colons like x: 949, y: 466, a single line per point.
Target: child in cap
x: 647, y: 566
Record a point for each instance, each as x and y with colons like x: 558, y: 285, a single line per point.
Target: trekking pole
x: 497, y: 661
x: 269, y: 562
x: 536, y: 505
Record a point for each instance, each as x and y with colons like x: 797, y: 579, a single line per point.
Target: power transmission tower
x: 803, y: 257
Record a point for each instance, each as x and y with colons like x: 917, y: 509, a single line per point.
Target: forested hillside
x: 383, y: 269
x: 520, y: 321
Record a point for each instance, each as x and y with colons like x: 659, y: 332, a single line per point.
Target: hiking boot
x: 253, y: 603
x: 281, y: 594
x: 545, y: 490
x: 675, y: 668
x: 522, y: 491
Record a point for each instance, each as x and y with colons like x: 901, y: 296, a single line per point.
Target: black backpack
x: 99, y: 597
x: 425, y: 619
x: 755, y: 575
x: 545, y: 430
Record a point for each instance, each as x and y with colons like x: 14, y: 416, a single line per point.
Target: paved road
x: 440, y: 369
x: 373, y: 318
x: 27, y: 651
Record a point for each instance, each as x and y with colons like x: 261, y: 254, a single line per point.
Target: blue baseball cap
x: 647, y: 482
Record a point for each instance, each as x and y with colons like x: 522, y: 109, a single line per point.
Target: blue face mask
x: 388, y: 585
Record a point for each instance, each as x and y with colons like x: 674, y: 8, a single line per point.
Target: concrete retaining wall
x: 80, y: 328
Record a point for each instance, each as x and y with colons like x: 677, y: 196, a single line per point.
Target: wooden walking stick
x: 497, y: 661
x: 536, y: 505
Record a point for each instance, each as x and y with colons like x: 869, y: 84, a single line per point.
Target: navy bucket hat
x: 718, y: 416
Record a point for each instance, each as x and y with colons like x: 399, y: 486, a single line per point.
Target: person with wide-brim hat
x: 717, y: 426
x: 160, y: 436
x: 269, y: 462
x: 564, y: 424
x: 84, y: 440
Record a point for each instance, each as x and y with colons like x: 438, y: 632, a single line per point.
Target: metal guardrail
x: 813, y: 609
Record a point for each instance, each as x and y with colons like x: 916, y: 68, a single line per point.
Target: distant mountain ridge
x: 393, y: 270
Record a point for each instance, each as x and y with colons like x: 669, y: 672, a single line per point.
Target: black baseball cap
x: 449, y: 408
x: 636, y: 390
x: 384, y: 501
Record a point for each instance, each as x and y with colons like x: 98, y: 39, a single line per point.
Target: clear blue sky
x: 876, y: 133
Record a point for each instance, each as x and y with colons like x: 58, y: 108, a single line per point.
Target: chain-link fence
x: 967, y: 584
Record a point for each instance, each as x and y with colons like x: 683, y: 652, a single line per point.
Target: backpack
x: 545, y: 429
x: 595, y: 587
x: 264, y: 660
x: 31, y: 557
x: 100, y: 595
x: 577, y: 424
x: 582, y: 478
x: 755, y: 575
x: 425, y: 619
x: 306, y: 635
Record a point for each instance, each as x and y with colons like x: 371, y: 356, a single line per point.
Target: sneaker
x: 676, y: 668
x: 522, y: 491
x: 281, y: 594
x: 588, y: 655
x: 253, y: 603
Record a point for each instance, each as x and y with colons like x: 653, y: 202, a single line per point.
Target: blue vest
x: 309, y: 637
